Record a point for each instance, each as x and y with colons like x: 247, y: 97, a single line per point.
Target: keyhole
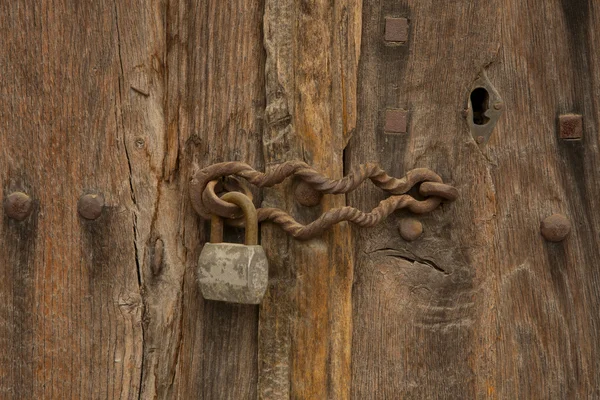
x: 480, y: 99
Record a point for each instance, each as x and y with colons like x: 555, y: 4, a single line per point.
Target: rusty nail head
x: 90, y: 206
x: 571, y: 126
x: 498, y: 105
x: 555, y: 228
x: 18, y: 206
x: 395, y: 121
x: 410, y: 229
x: 306, y: 195
x: 396, y: 29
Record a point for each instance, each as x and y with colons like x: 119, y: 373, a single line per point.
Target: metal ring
x: 199, y: 181
x: 234, y: 216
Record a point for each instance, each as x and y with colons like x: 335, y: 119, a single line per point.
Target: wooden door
x: 124, y: 100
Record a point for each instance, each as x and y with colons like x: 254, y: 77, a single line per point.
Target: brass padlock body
x: 231, y: 272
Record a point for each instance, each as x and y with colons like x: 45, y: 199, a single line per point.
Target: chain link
x: 206, y: 202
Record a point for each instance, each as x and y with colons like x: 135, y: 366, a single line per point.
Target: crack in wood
x: 412, y: 258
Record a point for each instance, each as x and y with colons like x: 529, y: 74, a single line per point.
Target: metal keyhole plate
x: 484, y: 108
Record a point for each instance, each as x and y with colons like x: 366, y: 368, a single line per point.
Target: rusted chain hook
x: 206, y: 201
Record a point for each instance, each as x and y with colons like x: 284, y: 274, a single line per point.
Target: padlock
x: 232, y: 272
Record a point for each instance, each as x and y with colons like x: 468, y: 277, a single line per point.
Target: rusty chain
x: 206, y: 202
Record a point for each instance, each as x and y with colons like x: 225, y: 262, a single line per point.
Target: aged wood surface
x: 127, y: 98
x: 70, y: 304
x: 305, y: 320
x: 481, y: 306
x: 213, y: 73
x: 122, y: 98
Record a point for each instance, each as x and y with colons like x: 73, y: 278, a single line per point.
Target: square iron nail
x: 571, y: 126
x: 395, y: 121
x: 396, y: 29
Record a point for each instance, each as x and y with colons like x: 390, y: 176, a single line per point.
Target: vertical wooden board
x: 548, y: 292
x: 191, y: 93
x: 122, y: 98
x: 418, y: 306
x: 305, y: 324
x: 481, y: 306
x: 156, y: 204
x: 70, y: 310
x: 214, y: 111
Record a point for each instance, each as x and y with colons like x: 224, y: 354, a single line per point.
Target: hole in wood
x: 480, y: 100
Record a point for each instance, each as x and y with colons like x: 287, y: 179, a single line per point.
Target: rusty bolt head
x: 395, y: 121
x: 90, y: 206
x: 410, y: 229
x: 555, y: 228
x: 571, y: 126
x: 18, y: 205
x: 306, y: 195
x: 396, y: 29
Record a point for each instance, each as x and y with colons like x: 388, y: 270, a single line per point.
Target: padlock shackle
x: 250, y: 217
x: 216, y: 229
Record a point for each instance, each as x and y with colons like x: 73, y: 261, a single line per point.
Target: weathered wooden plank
x: 414, y: 307
x: 192, y: 93
x: 548, y: 293
x: 215, y: 106
x: 122, y: 98
x: 304, y: 332
x: 481, y: 306
x: 70, y: 305
x: 156, y: 205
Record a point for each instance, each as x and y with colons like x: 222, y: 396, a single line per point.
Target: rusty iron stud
x: 18, y: 206
x: 396, y: 29
x: 555, y: 228
x: 410, y: 229
x: 395, y: 121
x: 90, y: 206
x: 306, y: 195
x: 571, y: 126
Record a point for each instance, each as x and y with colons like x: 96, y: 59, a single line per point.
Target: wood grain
x: 127, y: 98
x: 203, y: 72
x: 122, y: 98
x: 481, y: 306
x: 70, y: 304
x: 305, y: 319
